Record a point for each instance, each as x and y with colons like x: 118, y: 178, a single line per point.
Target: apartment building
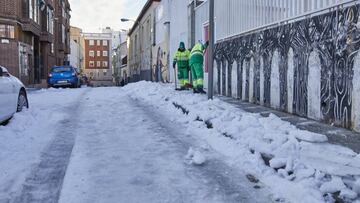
x: 97, y: 51
x: 33, y: 37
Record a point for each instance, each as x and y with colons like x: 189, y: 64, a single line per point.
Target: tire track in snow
x: 228, y: 182
x: 45, y: 181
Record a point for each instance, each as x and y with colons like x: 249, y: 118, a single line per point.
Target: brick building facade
x: 97, y: 63
x: 34, y: 36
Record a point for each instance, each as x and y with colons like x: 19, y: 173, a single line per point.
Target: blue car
x: 63, y: 76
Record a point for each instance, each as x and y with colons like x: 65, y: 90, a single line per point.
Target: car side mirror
x: 1, y: 72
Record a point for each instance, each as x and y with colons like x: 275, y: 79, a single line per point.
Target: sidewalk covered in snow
x: 298, y: 165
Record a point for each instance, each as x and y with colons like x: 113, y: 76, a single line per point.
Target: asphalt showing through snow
x: 45, y: 181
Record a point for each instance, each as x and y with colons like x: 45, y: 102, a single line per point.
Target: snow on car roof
x: 4, y: 69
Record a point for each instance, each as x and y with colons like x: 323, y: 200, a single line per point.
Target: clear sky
x: 92, y: 15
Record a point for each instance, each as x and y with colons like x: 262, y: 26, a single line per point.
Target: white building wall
x: 160, y: 50
x: 236, y: 16
x: 178, y: 15
x: 232, y: 17
x: 160, y: 19
x: 75, y: 54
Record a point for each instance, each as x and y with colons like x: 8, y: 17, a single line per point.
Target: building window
x: 98, y: 64
x: 63, y: 34
x: 50, y: 20
x: 31, y: 11
x: 24, y: 63
x: 98, y: 53
x: 105, y: 42
x: 91, y: 42
x: 91, y: 64
x: 63, y: 9
x: 52, y: 48
x: 105, y: 72
x: 36, y: 11
x: 98, y: 42
x: 105, y: 53
x: 105, y: 64
x: 7, y: 31
x: 91, y: 53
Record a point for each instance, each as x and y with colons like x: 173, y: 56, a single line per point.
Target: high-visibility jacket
x: 197, y: 54
x: 182, y: 58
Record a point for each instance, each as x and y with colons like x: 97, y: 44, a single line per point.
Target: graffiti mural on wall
x: 160, y: 67
x: 332, y: 40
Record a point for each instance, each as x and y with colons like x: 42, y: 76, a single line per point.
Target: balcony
x: 27, y: 24
x: 46, y: 37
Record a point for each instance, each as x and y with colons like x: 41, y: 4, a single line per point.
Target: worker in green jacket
x: 196, y: 64
x: 182, y: 60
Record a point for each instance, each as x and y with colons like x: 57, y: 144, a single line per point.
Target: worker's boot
x: 201, y: 90
x: 196, y: 91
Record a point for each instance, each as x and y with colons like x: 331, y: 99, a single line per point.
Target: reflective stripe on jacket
x: 198, y: 49
x: 197, y: 54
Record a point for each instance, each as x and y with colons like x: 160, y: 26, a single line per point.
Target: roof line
x: 142, y: 13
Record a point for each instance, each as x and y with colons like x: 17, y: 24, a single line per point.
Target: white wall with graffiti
x: 308, y: 67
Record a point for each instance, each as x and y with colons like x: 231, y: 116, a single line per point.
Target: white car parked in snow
x: 13, y: 97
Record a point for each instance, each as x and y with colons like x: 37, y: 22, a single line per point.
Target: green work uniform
x: 182, y: 60
x: 196, y: 64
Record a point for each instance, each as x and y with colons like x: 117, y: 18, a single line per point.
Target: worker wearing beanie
x: 182, y: 60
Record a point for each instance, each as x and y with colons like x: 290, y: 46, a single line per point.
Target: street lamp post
x: 211, y: 50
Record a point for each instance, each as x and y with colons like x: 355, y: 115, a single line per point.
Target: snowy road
x: 101, y: 145
x: 148, y: 143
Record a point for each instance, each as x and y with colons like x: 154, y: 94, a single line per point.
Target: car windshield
x: 61, y: 69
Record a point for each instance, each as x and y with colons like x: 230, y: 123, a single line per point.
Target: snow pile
x: 297, y: 165
x: 195, y: 157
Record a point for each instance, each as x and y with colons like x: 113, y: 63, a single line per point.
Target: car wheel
x: 22, y: 101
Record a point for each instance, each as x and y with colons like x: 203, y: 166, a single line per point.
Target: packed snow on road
x: 148, y: 143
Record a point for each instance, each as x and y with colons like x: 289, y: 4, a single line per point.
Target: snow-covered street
x: 148, y: 143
